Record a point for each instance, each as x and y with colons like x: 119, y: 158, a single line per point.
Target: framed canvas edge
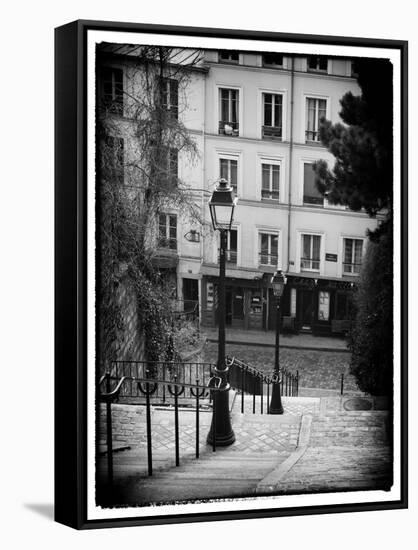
x: 71, y: 275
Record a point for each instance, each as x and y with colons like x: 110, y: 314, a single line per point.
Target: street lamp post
x: 221, y: 206
x: 278, y: 282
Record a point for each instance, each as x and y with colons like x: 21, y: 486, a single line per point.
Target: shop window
x: 293, y: 302
x: 210, y: 296
x: 256, y: 302
x: 232, y: 246
x: 343, y: 306
x: 323, y: 306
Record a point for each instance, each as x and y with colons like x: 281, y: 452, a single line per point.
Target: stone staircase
x: 315, y: 446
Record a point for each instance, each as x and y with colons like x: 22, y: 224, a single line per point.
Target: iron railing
x: 163, y: 371
x: 249, y: 380
x: 171, y: 381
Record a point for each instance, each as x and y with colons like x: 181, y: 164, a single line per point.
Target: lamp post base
x: 221, y: 420
x: 276, y: 406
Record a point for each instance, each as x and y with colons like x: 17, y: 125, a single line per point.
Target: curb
x: 270, y: 482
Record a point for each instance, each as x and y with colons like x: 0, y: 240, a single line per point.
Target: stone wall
x: 128, y: 425
x: 131, y: 340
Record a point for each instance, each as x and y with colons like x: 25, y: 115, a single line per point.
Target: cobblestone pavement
x: 317, y: 369
x: 325, y: 469
x: 268, y: 337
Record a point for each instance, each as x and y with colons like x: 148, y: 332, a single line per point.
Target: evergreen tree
x: 362, y: 178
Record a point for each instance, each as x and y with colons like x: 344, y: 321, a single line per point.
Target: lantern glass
x: 278, y: 282
x: 222, y: 205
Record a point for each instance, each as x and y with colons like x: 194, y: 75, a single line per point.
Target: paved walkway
x: 315, y: 446
x: 268, y: 338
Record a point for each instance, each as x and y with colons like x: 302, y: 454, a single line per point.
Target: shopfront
x: 318, y: 306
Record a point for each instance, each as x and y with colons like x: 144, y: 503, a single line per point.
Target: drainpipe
x: 200, y: 289
x: 289, y: 197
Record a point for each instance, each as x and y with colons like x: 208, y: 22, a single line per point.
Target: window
x: 317, y: 63
x: 269, y: 249
x: 228, y: 56
x: 164, y: 165
x: 113, y: 158
x: 232, y: 246
x: 316, y: 110
x: 293, y: 302
x: 170, y: 96
x: 323, y: 306
x: 167, y: 231
x: 229, y: 105
x: 228, y: 169
x: 256, y: 301
x: 113, y: 90
x: 310, y: 257
x: 273, y: 116
x: 273, y: 60
x: 270, y: 181
x: 353, y: 252
x: 311, y: 195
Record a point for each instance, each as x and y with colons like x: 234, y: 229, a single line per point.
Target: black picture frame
x: 71, y: 250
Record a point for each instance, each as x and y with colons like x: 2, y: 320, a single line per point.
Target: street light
x: 221, y: 205
x: 278, y: 282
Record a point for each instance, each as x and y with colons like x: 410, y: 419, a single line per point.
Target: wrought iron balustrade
x: 172, y: 382
x: 269, y: 194
x: 268, y: 259
x: 228, y: 128
x: 250, y: 380
x: 309, y: 264
x: 163, y: 371
x: 272, y: 132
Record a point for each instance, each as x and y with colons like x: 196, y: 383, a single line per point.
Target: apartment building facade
x: 261, y: 133
x: 255, y: 120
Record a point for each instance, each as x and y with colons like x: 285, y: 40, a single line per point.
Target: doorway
x: 190, y: 295
x: 306, y: 308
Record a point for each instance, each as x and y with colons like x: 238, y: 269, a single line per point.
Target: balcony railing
x: 319, y: 201
x: 230, y: 256
x: 268, y: 259
x: 312, y: 136
x: 272, y: 132
x: 351, y: 268
x: 309, y: 264
x: 269, y: 194
x: 228, y: 128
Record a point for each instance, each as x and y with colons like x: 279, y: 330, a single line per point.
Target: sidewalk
x: 268, y: 338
